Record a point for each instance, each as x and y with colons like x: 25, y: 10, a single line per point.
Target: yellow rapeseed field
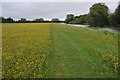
x: 49, y: 50
x: 25, y: 47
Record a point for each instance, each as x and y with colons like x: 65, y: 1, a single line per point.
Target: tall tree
x: 22, y: 20
x: 39, y: 20
x: 82, y: 19
x: 0, y: 19
x: 6, y: 20
x: 10, y: 20
x: 98, y: 15
x: 117, y: 14
x: 114, y: 18
x: 55, y: 20
x: 69, y: 18
x: 3, y: 20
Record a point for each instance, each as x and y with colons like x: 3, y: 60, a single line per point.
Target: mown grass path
x: 76, y: 53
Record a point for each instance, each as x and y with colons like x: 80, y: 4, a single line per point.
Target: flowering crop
x: 25, y: 47
x: 41, y: 50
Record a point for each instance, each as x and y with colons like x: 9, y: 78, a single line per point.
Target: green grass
x: 71, y: 52
x: 77, y: 53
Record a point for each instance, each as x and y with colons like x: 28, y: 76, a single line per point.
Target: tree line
x: 98, y: 16
x: 24, y: 20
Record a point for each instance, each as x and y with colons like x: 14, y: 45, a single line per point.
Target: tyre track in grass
x: 66, y: 60
x: 69, y: 58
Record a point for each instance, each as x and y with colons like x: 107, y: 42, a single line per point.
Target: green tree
x: 117, y: 14
x: 98, y: 15
x: 0, y: 19
x: 114, y: 18
x: 55, y: 20
x: 69, y: 18
x: 82, y: 19
x: 39, y: 20
x: 9, y: 20
x: 22, y: 20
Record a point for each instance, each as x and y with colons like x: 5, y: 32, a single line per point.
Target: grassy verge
x: 82, y: 53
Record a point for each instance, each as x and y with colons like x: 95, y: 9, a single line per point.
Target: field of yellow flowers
x: 25, y: 48
x: 47, y: 50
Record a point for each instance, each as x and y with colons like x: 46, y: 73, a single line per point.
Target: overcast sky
x: 59, y: 0
x: 48, y: 10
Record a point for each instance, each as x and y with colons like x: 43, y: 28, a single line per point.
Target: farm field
x: 25, y: 47
x: 47, y: 50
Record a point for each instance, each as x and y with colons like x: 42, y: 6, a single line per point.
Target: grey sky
x: 48, y: 10
x: 59, y: 0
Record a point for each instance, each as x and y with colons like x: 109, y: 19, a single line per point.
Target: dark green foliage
x: 6, y: 20
x: 55, y: 20
x: 82, y: 19
x: 0, y: 19
x: 69, y: 18
x: 22, y: 20
x: 114, y: 18
x: 117, y: 13
x: 98, y: 15
x: 10, y: 20
x: 39, y: 20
